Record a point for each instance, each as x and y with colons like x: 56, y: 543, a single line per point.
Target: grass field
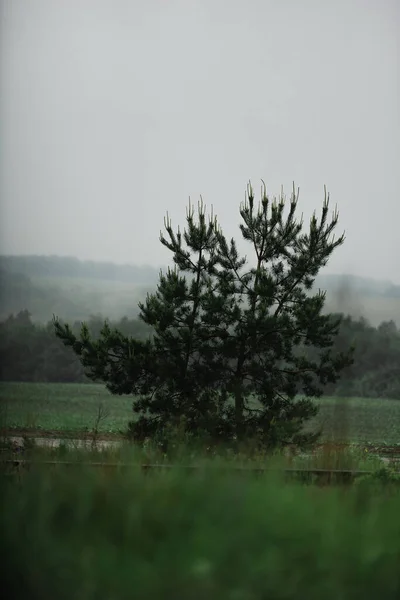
x: 90, y: 534
x: 74, y: 407
x: 62, y: 407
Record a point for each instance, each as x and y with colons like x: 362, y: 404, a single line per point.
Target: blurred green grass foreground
x: 85, y: 534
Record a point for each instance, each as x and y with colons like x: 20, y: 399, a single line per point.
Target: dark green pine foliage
x: 239, y: 349
x: 187, y: 372
x: 123, y: 363
x: 273, y: 319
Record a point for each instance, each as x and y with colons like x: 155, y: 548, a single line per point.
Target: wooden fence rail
x: 328, y: 474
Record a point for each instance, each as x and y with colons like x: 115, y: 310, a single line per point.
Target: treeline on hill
x: 17, y: 291
x: 31, y: 352
x: 35, y: 282
x: 76, y: 289
x: 34, y: 267
x: 64, y: 266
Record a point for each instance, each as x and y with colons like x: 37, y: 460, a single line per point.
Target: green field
x: 73, y: 407
x: 90, y: 534
x: 62, y: 407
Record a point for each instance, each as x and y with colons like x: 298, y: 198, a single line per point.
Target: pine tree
x: 233, y: 345
x: 274, y: 320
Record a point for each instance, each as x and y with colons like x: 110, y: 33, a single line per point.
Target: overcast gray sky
x: 113, y: 112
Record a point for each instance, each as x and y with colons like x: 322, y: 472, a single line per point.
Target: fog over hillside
x: 76, y: 289
x: 114, y: 112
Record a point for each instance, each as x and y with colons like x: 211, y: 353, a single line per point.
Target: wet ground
x: 111, y: 441
x: 47, y: 442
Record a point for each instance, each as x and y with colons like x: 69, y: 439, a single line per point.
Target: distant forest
x: 31, y: 352
x: 33, y: 288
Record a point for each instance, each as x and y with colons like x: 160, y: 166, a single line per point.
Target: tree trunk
x: 239, y: 410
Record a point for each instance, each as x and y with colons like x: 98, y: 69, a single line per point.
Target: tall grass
x: 86, y: 534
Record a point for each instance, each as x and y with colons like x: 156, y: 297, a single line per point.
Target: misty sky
x: 113, y: 112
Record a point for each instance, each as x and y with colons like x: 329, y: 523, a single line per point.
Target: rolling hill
x: 75, y: 289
